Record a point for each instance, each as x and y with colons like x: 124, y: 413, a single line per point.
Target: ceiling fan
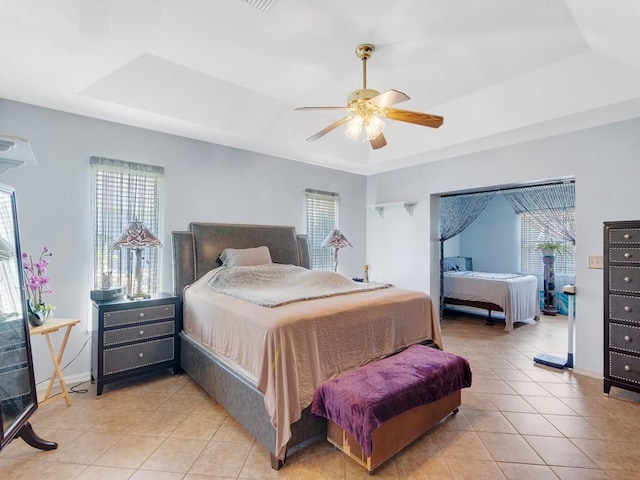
x: 368, y: 106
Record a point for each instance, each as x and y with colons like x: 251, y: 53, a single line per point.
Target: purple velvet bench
x: 376, y: 410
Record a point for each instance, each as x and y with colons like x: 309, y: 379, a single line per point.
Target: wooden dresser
x: 622, y: 305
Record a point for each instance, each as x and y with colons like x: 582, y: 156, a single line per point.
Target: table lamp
x: 336, y: 240
x: 136, y: 237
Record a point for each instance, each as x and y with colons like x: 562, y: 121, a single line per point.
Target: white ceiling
x: 498, y: 71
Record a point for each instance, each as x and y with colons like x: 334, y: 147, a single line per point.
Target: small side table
x: 50, y: 326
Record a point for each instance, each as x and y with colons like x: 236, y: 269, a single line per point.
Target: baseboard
x: 69, y: 380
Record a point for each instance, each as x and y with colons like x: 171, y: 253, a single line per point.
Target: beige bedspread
x: 288, y: 351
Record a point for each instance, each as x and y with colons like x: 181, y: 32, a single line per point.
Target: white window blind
x: 121, y: 193
x: 322, y: 218
x: 531, y: 259
x: 10, y: 300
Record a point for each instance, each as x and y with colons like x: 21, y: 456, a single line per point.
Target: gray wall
x: 604, y: 161
x: 204, y: 182
x: 493, y: 240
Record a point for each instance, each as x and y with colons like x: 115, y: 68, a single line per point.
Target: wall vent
x: 263, y: 5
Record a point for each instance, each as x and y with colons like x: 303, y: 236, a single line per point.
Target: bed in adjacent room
x: 260, y: 344
x: 514, y: 294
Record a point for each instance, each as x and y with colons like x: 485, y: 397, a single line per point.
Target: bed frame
x: 195, y: 253
x: 488, y: 306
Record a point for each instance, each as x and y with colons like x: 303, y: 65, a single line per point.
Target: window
x: 322, y: 219
x: 121, y: 193
x: 531, y: 259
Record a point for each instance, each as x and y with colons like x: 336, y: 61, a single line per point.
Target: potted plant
x: 549, y: 248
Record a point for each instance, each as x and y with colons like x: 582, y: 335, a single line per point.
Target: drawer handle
x: 627, y: 338
x: 627, y: 255
x: 141, y: 332
x: 627, y: 236
x: 627, y: 279
x: 627, y: 308
x: 627, y: 368
x: 140, y: 355
x: 141, y: 315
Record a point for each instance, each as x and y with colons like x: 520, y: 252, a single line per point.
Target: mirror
x: 17, y: 388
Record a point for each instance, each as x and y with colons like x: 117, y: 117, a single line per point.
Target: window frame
x: 322, y: 215
x: 531, y: 258
x: 122, y: 192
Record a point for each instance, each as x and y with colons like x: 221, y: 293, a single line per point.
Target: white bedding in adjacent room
x: 517, y: 294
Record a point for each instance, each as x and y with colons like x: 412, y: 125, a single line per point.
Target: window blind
x: 532, y: 234
x: 322, y: 218
x: 121, y: 193
x: 9, y: 276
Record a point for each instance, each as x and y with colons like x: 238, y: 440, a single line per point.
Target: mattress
x: 290, y: 350
x: 516, y: 294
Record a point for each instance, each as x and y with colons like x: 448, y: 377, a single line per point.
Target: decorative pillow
x: 450, y: 266
x: 245, y: 257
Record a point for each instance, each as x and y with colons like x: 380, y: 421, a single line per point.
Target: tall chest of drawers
x: 622, y: 305
x: 132, y: 338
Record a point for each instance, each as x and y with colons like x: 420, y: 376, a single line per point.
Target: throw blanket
x: 361, y: 399
x: 273, y: 285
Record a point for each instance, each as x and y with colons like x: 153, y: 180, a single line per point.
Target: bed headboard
x: 197, y: 251
x: 463, y: 263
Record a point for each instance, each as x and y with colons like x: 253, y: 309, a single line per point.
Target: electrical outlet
x: 596, y: 262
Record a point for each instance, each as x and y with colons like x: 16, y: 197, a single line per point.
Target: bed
x: 514, y: 294
x: 267, y: 381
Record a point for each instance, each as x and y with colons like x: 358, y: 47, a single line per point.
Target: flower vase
x: 38, y: 314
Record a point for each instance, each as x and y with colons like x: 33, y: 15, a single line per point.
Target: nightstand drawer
x: 120, y: 359
x: 139, y: 333
x: 137, y: 315
x: 624, y: 367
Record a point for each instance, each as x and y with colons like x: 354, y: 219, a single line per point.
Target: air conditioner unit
x: 15, y: 152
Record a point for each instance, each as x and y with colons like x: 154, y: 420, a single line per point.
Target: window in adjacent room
x: 531, y: 259
x: 322, y: 218
x: 123, y: 192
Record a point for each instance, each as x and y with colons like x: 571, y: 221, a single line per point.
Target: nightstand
x: 135, y: 337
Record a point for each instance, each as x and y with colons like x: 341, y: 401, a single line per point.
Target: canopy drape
x: 457, y: 213
x: 553, y: 206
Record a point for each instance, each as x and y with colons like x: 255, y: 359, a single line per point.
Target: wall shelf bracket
x: 408, y: 206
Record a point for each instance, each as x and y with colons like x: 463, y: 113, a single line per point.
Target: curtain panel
x: 553, y: 205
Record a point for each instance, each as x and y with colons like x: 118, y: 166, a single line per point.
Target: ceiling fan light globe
x: 373, y: 127
x: 354, y: 127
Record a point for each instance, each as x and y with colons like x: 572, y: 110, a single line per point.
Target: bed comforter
x: 517, y: 294
x: 290, y: 350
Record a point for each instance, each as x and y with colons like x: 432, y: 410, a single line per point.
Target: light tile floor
x: 519, y: 420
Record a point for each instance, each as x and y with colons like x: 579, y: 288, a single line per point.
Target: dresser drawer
x: 139, y: 333
x: 624, y: 367
x: 624, y: 337
x: 624, y: 254
x: 137, y: 315
x: 120, y: 359
x: 624, y: 235
x: 622, y: 307
x: 624, y: 279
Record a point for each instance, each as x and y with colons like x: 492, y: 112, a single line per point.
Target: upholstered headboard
x: 197, y: 251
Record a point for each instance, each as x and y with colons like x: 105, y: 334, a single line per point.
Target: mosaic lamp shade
x: 336, y: 240
x: 137, y: 237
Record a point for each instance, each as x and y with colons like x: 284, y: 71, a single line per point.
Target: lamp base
x: 138, y: 296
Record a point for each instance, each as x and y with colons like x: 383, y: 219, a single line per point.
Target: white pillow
x: 245, y: 257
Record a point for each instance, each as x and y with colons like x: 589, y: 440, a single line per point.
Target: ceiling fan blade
x: 424, y: 119
x: 326, y: 130
x: 322, y: 108
x: 390, y: 97
x: 378, y: 142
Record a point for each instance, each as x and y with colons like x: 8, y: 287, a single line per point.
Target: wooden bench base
x: 394, y: 434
